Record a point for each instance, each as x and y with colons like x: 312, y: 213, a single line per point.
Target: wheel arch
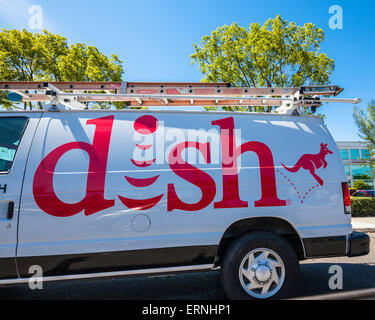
x: 277, y: 225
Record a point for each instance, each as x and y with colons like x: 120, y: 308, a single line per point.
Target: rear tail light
x: 346, y: 196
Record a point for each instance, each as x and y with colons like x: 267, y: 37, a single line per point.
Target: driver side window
x: 11, y: 131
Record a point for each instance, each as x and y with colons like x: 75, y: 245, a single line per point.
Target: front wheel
x: 260, y: 265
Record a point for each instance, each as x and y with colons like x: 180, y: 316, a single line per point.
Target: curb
x: 363, y: 224
x: 365, y: 230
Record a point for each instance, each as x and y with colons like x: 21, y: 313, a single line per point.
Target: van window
x: 11, y: 130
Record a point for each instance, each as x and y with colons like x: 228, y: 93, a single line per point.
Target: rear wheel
x: 260, y: 265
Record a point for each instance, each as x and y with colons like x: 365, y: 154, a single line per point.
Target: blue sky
x: 154, y: 38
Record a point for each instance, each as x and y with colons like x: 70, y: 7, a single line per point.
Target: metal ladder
x: 73, y: 95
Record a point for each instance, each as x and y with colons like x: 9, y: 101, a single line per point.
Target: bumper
x: 359, y: 244
x: 355, y: 244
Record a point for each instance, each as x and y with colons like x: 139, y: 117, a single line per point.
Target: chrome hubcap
x: 262, y: 273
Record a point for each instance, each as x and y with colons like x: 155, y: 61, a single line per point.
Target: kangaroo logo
x: 312, y: 162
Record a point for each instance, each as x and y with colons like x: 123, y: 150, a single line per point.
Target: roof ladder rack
x: 76, y: 95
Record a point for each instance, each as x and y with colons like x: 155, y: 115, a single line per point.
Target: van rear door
x: 16, y: 135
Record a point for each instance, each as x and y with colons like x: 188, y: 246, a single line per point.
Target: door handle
x: 10, y: 210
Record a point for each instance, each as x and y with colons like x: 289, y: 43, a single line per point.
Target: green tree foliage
x: 361, y: 185
x: 279, y: 53
x: 87, y: 63
x: 365, y: 121
x: 26, y: 56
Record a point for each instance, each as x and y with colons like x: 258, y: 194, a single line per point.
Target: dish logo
x: 94, y: 200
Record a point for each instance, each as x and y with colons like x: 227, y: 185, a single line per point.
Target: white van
x: 88, y: 194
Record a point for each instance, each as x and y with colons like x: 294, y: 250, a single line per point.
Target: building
x: 354, y: 154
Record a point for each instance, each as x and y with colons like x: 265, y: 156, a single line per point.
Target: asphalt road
x: 358, y: 273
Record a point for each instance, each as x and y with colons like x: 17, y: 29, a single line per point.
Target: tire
x: 260, y: 265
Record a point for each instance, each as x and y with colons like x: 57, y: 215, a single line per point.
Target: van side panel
x: 165, y: 182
